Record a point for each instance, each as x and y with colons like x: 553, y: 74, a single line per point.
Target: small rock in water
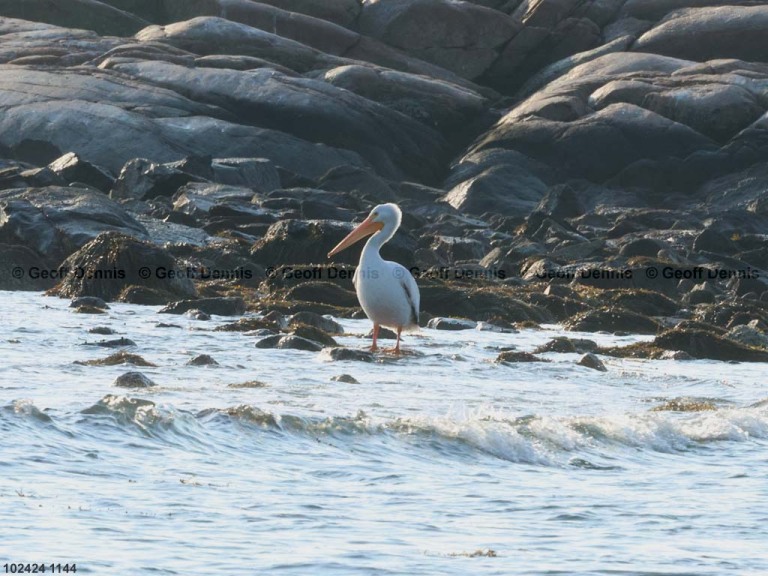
x: 92, y: 301
x: 276, y: 318
x: 675, y: 355
x: 269, y: 341
x: 313, y: 319
x: 314, y: 334
x: 116, y: 343
x: 89, y: 310
x: 202, y: 360
x: 514, y: 356
x: 246, y: 325
x: 298, y: 343
x: 565, y: 345
x: 346, y: 378
x: 220, y: 306
x: 249, y: 384
x: 384, y: 334
x: 488, y: 327
x: 102, y: 330
x: 121, y: 357
x: 133, y: 380
x: 348, y: 354
x: 196, y: 314
x: 451, y: 324
x: 589, y: 360
x: 685, y: 405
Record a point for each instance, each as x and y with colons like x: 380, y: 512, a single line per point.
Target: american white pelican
x: 386, y: 290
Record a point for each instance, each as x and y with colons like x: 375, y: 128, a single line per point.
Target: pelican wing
x: 412, y: 295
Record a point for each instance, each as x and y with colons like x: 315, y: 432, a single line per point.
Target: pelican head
x: 384, y: 217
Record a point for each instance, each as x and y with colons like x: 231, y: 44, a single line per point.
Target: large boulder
x: 459, y: 36
x: 54, y: 222
x: 707, y: 33
x: 336, y: 117
x: 87, y: 14
x: 127, y: 119
x: 113, y: 262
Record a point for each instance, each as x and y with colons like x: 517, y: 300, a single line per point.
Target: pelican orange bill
x: 366, y: 228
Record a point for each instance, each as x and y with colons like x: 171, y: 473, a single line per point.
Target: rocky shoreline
x: 596, y: 164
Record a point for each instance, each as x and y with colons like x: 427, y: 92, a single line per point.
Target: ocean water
x: 440, y: 462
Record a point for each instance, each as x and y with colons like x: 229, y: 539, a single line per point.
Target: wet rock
x: 315, y: 320
x: 342, y: 12
x: 121, y: 357
x: 115, y: 343
x: 103, y: 330
x: 202, y: 360
x: 343, y: 354
x: 451, y: 324
x: 92, y: 301
x: 133, y: 380
x: 249, y: 384
x: 196, y: 314
x: 220, y: 306
x: 247, y: 325
x: 700, y: 344
x: 72, y: 168
x: 748, y: 336
x: 54, y: 222
x: 89, y: 310
x: 294, y: 342
x: 111, y: 262
x: 323, y: 293
x: 674, y: 355
x: 345, y: 378
x: 269, y: 341
x: 613, y: 320
x: 312, y: 333
x: 564, y: 344
x: 384, y: 334
x: 15, y: 273
x: 514, y: 356
x: 146, y: 296
x: 685, y: 405
x: 591, y: 361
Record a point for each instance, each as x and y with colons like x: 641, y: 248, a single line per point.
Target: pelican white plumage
x: 386, y: 290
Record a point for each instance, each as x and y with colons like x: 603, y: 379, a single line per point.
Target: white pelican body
x: 386, y: 290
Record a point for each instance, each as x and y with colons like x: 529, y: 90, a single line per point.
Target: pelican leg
x: 374, y: 347
x: 397, y: 346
